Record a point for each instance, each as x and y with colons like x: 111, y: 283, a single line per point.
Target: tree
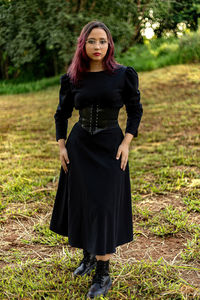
x: 38, y: 38
x: 170, y: 13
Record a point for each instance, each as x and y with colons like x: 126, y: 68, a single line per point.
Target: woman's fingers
x: 123, y: 151
x: 64, y: 165
x: 124, y: 162
x: 64, y: 159
x: 118, y: 153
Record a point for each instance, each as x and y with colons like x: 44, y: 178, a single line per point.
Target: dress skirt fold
x: 93, y: 200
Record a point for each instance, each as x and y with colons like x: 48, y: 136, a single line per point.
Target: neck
x: 96, y: 66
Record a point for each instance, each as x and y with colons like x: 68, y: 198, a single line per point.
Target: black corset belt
x: 94, y: 118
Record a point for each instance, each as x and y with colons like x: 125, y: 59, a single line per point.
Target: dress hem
x: 89, y: 249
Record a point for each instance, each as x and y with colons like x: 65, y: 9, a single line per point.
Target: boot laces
x: 101, y: 271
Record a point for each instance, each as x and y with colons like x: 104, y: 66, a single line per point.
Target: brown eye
x: 91, y: 42
x: 103, y: 42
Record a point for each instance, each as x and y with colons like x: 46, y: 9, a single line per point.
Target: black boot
x: 101, y: 281
x: 86, y: 265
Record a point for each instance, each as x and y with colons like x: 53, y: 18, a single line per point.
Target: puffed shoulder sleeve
x: 64, y: 108
x: 131, y: 98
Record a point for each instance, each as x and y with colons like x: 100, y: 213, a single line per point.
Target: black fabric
x: 95, y: 119
x: 93, y: 200
x: 107, y: 90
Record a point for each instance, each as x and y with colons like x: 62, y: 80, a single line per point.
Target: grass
x: 163, y: 261
x: 12, y: 86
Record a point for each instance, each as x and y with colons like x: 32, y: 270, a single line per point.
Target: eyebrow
x: 95, y: 39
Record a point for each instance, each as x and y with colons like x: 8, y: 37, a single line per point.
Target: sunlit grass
x: 164, y: 166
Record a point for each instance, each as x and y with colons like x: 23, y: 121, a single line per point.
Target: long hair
x: 80, y: 62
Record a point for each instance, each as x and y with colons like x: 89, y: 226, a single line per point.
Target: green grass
x: 52, y: 279
x: 163, y: 261
x: 14, y: 87
x: 192, y: 251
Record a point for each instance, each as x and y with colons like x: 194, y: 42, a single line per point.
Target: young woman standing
x: 93, y: 201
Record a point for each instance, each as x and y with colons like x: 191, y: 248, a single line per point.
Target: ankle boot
x: 87, y: 264
x: 101, y: 281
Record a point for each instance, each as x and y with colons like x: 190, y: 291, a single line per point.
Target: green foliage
x: 152, y: 55
x: 169, y: 13
x: 38, y: 38
x: 163, y: 52
x: 189, y: 48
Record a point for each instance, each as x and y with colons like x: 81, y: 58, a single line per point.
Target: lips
x: 97, y: 53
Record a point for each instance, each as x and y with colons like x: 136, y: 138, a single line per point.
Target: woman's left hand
x: 123, y: 150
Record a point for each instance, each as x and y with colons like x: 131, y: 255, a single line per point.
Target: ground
x: 163, y: 260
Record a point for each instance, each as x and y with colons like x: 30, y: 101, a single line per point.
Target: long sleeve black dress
x: 93, y: 200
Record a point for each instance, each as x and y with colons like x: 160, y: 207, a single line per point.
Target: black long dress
x: 93, y: 200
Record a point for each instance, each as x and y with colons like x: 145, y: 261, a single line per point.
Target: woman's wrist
x: 61, y: 143
x: 127, y: 138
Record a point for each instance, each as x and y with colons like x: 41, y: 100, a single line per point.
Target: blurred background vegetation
x: 38, y: 38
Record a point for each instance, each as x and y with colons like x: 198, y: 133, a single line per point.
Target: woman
x: 93, y: 200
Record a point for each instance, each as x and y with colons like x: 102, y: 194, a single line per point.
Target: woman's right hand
x: 64, y: 158
x: 63, y: 154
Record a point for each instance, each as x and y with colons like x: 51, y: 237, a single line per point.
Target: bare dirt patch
x: 152, y: 248
x: 155, y: 203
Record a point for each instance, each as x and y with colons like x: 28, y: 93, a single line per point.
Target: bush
x: 189, y: 47
x: 163, y: 52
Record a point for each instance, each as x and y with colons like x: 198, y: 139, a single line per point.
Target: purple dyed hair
x: 80, y: 61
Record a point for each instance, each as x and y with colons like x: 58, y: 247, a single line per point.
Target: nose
x: 97, y: 45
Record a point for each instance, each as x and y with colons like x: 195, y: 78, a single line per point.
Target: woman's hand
x: 63, y: 154
x: 123, y: 149
x: 64, y: 158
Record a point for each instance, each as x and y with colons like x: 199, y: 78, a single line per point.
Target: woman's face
x: 96, y: 42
